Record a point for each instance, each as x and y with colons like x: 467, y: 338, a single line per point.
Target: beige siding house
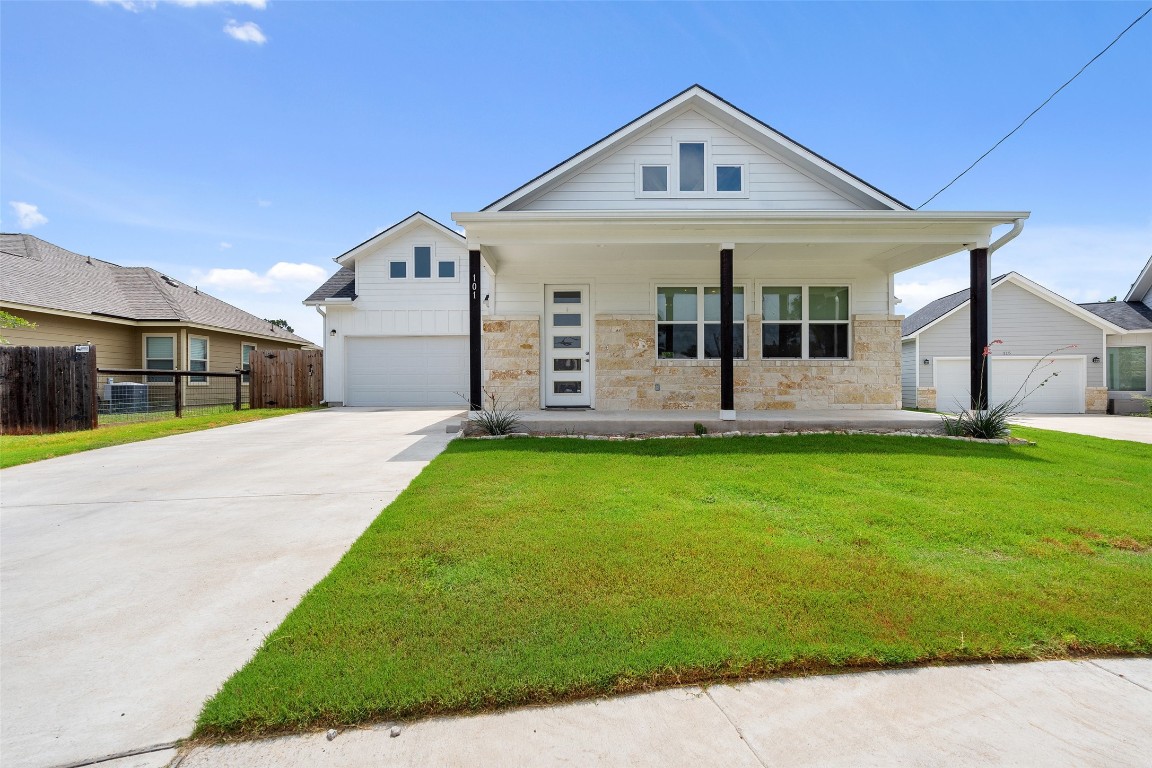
x: 136, y: 317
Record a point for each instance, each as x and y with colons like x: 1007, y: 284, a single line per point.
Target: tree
x: 280, y: 324
x: 11, y: 321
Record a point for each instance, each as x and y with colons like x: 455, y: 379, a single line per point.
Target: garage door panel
x: 406, y: 370
x: 1061, y: 393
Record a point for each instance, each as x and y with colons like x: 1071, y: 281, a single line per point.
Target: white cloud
x: 135, y: 6
x: 263, y: 203
x: 224, y: 246
x: 28, y: 215
x: 248, y: 32
x: 283, y: 275
x: 1080, y: 263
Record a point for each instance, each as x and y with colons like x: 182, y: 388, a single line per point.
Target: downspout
x: 1017, y: 228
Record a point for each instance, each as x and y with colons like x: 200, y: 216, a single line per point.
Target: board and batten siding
x: 1028, y: 325
x: 908, y: 363
x: 610, y: 184
x: 387, y: 306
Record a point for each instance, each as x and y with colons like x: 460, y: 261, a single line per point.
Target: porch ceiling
x: 890, y: 240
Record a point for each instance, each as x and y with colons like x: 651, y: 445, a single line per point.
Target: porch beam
x: 475, y: 400
x: 727, y: 389
x: 980, y: 290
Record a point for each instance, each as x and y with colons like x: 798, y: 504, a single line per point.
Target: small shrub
x: 700, y: 429
x: 495, y: 418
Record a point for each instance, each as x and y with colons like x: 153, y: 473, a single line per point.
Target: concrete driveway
x: 135, y: 579
x: 1134, y: 428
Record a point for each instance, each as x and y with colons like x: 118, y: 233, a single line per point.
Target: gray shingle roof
x: 934, y: 310
x: 1129, y: 315
x: 341, y: 285
x: 40, y: 274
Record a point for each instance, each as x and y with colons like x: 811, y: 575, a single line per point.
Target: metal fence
x: 130, y: 395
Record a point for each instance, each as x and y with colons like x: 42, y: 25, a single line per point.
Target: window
x: 653, y: 178
x: 680, y: 334
x: 804, y: 322
x: 446, y: 269
x: 397, y: 270
x: 1128, y: 369
x: 691, y: 166
x: 246, y: 351
x: 422, y: 258
x: 729, y: 178
x: 160, y: 355
x: 197, y: 358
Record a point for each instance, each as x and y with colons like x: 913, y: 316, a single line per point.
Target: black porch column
x: 475, y: 399
x: 727, y: 396
x: 978, y: 314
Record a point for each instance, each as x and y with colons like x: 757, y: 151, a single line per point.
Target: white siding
x: 610, y: 184
x: 1027, y: 324
x: 1134, y: 339
x: 908, y: 363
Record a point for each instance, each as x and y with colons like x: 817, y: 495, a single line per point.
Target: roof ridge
x: 171, y: 300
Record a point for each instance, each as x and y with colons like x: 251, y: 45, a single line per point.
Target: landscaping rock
x: 331, y: 734
x: 394, y: 731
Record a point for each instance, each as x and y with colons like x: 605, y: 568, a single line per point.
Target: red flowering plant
x: 991, y: 423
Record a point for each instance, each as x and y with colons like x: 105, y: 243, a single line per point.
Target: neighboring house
x: 1129, y: 354
x: 694, y: 258
x: 1041, y: 334
x: 135, y: 316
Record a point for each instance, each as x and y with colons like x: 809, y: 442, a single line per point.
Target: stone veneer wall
x: 627, y: 371
x: 926, y: 398
x: 511, y: 359
x: 1096, y: 400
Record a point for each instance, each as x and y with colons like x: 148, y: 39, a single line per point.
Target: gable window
x: 446, y: 269
x: 160, y: 355
x: 1128, y: 369
x: 422, y: 261
x: 197, y: 358
x: 246, y: 351
x: 398, y: 270
x: 729, y: 178
x: 688, y: 322
x: 804, y: 322
x: 653, y: 178
x: 691, y: 166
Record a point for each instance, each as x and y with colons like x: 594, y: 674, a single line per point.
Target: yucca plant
x: 495, y: 418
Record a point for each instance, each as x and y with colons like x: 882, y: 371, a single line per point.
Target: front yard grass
x: 24, y: 449
x: 539, y: 570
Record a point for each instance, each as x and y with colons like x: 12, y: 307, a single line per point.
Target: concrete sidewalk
x: 135, y: 579
x: 1080, y: 713
x: 1135, y: 428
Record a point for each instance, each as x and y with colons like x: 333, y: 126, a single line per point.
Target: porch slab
x: 593, y: 422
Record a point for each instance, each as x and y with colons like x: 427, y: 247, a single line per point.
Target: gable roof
x: 417, y: 219
x: 341, y: 285
x: 1129, y: 315
x: 935, y: 311
x: 1143, y: 283
x: 700, y: 98
x: 37, y: 273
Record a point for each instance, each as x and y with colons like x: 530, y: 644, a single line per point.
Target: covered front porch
x: 602, y: 285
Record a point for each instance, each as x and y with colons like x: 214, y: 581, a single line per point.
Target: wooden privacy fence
x: 286, y: 378
x: 47, y: 389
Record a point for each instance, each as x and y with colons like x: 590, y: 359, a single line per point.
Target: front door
x: 567, y: 346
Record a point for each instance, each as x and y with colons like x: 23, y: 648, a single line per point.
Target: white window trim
x: 674, y: 170
x: 743, y: 191
x: 409, y: 262
x: 699, y: 322
x: 805, y: 321
x: 407, y: 269
x: 640, y: 166
x: 207, y: 360
x: 245, y: 377
x: 431, y: 261
x: 1147, y: 366
x: 144, y: 355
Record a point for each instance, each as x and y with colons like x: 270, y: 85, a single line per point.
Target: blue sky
x: 241, y: 146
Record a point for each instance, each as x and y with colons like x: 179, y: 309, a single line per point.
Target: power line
x: 1134, y: 23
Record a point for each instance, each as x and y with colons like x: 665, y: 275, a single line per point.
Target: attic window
x: 729, y: 178
x: 691, y: 166
x: 422, y: 256
x: 654, y: 178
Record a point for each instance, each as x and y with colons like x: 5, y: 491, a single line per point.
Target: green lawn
x: 545, y: 569
x: 23, y: 449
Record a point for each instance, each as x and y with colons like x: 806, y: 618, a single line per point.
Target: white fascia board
x: 417, y: 219
x: 1142, y: 285
x: 325, y: 302
x: 696, y: 97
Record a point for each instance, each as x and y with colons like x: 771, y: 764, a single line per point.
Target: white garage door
x: 1063, y: 393
x: 406, y: 370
